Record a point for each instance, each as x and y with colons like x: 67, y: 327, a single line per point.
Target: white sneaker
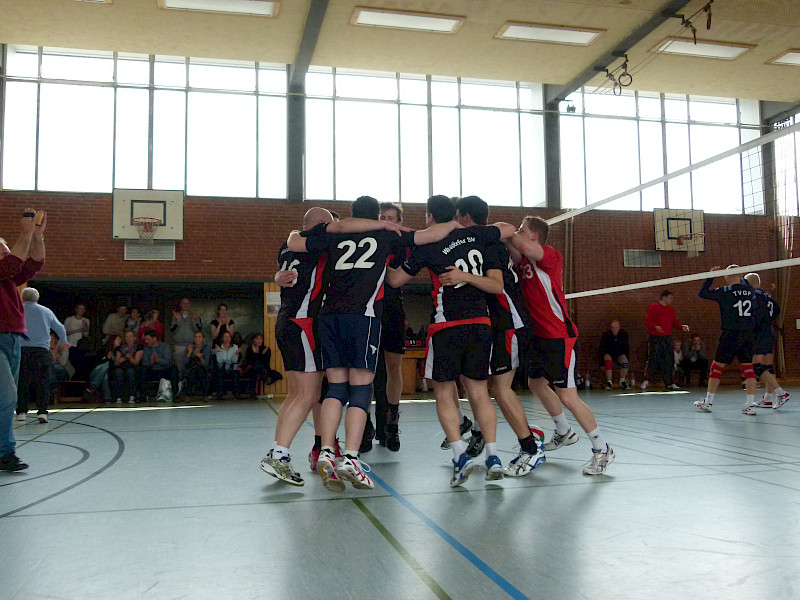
x: 557, y: 441
x: 524, y: 463
x: 599, y: 462
x: 781, y: 400
x: 119, y: 401
x: 673, y: 387
x: 22, y: 416
x: 749, y: 410
x: 767, y: 401
x: 42, y: 417
x: 132, y: 400
x: 644, y: 385
x: 326, y: 467
x: 702, y: 405
x: 352, y: 470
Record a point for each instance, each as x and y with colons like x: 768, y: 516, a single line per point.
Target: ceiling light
x: 552, y: 34
x: 790, y: 57
x: 263, y: 8
x: 721, y: 50
x: 399, y: 19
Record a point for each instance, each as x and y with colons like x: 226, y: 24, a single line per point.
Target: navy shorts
x: 735, y: 344
x: 297, y: 343
x: 349, y: 341
x: 554, y: 359
x: 459, y: 350
x: 764, y: 341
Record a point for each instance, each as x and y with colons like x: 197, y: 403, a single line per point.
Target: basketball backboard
x: 672, y: 223
x: 165, y: 205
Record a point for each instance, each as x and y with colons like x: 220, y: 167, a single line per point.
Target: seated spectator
x: 82, y: 360
x: 125, y: 376
x: 695, y: 358
x: 197, y: 366
x: 614, y: 347
x: 157, y: 362
x: 59, y: 361
x: 257, y: 360
x: 100, y: 377
x: 151, y: 322
x: 222, y: 324
x: 227, y: 356
x: 77, y: 325
x: 134, y: 322
x: 115, y: 322
x: 409, y: 332
x: 677, y: 357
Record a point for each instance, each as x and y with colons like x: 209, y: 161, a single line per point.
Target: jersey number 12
x: 743, y: 307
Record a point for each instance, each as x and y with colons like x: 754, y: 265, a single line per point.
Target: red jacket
x: 664, y: 316
x: 14, y: 272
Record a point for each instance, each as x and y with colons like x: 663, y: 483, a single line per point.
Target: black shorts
x: 349, y: 341
x: 553, y: 359
x: 735, y: 344
x: 394, y: 328
x: 764, y: 341
x: 458, y: 350
x: 508, y: 346
x: 297, y: 343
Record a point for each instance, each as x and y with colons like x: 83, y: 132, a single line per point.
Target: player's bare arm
x: 490, y: 283
x: 285, y: 278
x: 434, y: 233
x: 527, y: 247
x: 397, y: 277
x: 516, y: 255
x: 506, y: 229
x: 355, y: 225
x: 296, y: 242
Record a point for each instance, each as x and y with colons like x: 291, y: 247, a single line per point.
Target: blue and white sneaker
x: 524, y: 463
x: 461, y: 469
x: 494, y: 468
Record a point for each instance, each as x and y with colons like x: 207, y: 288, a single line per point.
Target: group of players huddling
x: 498, y: 301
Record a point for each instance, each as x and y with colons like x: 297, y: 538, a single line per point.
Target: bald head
x: 732, y: 278
x: 315, y: 216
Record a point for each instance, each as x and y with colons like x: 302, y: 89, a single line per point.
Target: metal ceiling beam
x: 298, y: 70
x: 556, y: 94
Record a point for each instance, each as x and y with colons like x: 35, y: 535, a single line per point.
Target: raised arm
x: 528, y: 248
x: 397, y: 277
x: 516, y: 255
x: 434, y: 233
x: 506, y: 230
x: 490, y: 283
x: 355, y: 225
x: 296, y: 242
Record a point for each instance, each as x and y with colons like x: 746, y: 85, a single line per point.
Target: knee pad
x: 716, y: 371
x: 609, y: 365
x: 759, y: 369
x: 769, y: 369
x: 361, y: 396
x: 747, y: 371
x: 623, y: 364
x: 340, y: 391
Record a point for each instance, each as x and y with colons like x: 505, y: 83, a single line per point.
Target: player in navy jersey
x: 511, y: 333
x: 766, y: 312
x: 459, y: 338
x: 349, y: 325
x: 737, y: 308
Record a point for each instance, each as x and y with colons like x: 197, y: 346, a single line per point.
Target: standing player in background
x: 349, y: 327
x: 460, y: 337
x: 511, y: 335
x: 660, y: 321
x: 389, y: 376
x: 614, y: 347
x: 767, y: 310
x: 551, y: 354
x: 737, y: 308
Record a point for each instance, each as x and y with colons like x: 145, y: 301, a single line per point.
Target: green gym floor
x: 169, y: 502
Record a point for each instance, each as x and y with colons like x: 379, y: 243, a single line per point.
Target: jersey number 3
x: 362, y: 262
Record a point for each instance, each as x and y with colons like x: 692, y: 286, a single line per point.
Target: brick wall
x: 238, y: 239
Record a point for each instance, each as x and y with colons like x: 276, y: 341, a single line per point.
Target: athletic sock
x: 751, y: 399
x: 317, y: 442
x: 528, y: 444
x: 278, y: 452
x: 491, y: 448
x: 779, y: 391
x: 476, y: 427
x: 351, y: 454
x: 459, y: 448
x: 710, y: 397
x: 562, y: 426
x: 598, y: 443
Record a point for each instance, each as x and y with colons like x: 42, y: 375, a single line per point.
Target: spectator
x: 35, y: 365
x: 614, y: 347
x: 677, y: 357
x: 151, y: 322
x: 222, y: 324
x: 59, y: 367
x: 197, y: 366
x: 660, y: 321
x: 157, y: 362
x: 695, y: 358
x: 183, y: 327
x: 409, y: 331
x: 134, y: 321
x: 77, y: 325
x: 82, y: 360
x: 257, y: 359
x: 101, y: 375
x: 125, y: 375
x: 115, y: 322
x: 227, y: 355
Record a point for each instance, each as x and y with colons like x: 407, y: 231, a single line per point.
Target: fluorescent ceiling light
x: 702, y: 49
x: 790, y: 57
x: 552, y: 34
x: 263, y: 8
x: 399, y: 19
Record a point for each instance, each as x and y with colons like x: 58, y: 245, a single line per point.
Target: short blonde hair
x: 753, y: 279
x: 30, y: 294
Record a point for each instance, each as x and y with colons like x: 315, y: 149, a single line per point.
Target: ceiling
x: 771, y: 26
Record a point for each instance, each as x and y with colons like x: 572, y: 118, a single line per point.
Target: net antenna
x: 693, y: 243
x: 146, y: 227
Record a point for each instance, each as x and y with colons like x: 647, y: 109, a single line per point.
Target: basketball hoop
x: 146, y: 226
x: 693, y: 243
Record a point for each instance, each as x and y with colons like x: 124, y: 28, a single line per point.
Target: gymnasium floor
x: 163, y: 502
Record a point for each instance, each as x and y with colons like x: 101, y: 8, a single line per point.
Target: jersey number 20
x: 476, y: 264
x: 362, y: 262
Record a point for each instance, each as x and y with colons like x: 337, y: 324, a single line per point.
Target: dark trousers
x: 34, y: 383
x: 221, y: 374
x: 196, y: 380
x: 660, y: 358
x: 124, y: 382
x: 171, y: 373
x: 700, y: 365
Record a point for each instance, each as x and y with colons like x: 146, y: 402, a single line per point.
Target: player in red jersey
x: 551, y: 354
